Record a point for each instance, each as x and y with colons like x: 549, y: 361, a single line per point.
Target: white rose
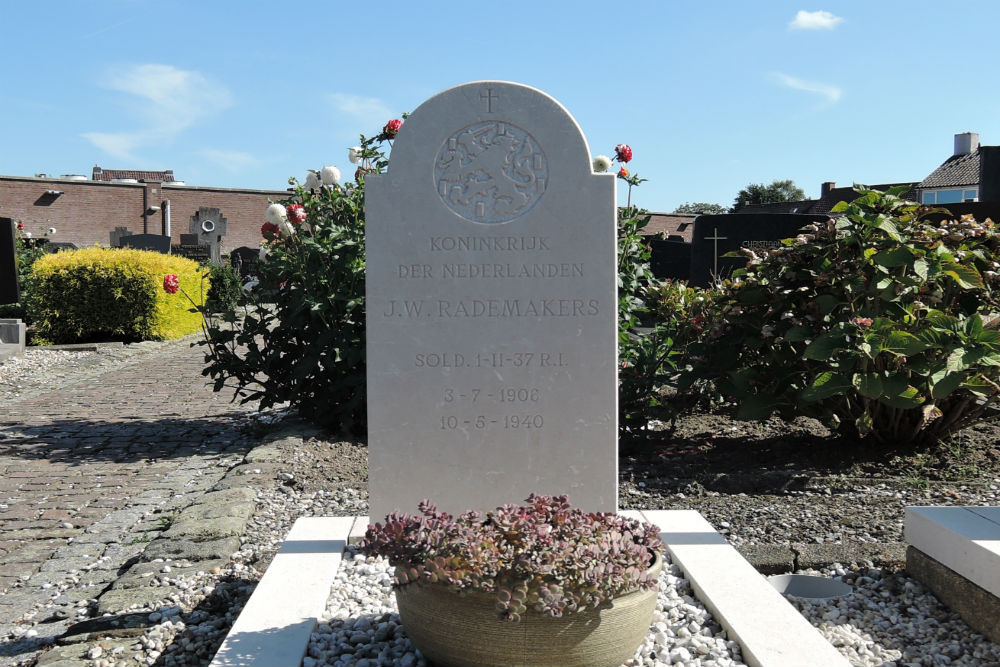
x: 602, y: 163
x: 262, y: 253
x: 354, y: 154
x: 330, y: 175
x: 276, y: 214
x: 286, y: 228
x: 312, y: 180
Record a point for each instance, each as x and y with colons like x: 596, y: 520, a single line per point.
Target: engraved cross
x: 489, y: 96
x: 715, y: 250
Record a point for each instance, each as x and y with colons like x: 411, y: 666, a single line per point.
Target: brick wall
x: 87, y: 211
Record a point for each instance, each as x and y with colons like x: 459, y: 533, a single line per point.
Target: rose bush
x: 882, y: 323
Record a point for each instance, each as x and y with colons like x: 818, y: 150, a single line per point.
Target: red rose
x: 20, y: 226
x: 361, y: 172
x: 296, y: 213
x: 623, y: 152
x: 170, y: 284
x: 269, y: 230
x: 623, y: 173
x: 392, y: 128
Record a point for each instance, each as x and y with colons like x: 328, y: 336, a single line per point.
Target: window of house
x: 954, y: 196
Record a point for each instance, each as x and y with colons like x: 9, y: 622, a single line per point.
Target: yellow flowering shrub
x: 104, y: 294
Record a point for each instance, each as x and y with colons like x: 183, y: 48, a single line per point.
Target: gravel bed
x: 890, y: 620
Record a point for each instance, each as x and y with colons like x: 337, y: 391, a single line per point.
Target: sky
x: 711, y: 95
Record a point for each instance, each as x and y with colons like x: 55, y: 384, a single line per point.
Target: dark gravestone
x: 190, y: 239
x: 9, y: 290
x: 198, y: 253
x: 117, y: 234
x: 155, y: 242
x: 210, y: 227
x: 670, y: 259
x: 245, y: 260
x: 716, y: 235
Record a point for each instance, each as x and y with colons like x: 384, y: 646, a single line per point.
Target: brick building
x: 85, y: 211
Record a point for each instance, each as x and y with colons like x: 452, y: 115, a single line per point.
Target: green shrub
x: 112, y: 294
x: 882, y: 324
x: 225, y: 288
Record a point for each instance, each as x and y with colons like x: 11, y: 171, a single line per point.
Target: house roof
x: 956, y: 170
x: 671, y: 225
x: 111, y: 174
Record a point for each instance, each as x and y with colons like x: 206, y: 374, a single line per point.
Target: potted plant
x: 536, y: 584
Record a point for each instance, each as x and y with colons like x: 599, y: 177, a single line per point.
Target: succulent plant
x: 544, y: 555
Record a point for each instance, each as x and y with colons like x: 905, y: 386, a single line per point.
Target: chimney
x: 825, y: 188
x: 966, y: 142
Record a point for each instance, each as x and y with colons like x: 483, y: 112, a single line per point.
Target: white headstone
x: 491, y: 308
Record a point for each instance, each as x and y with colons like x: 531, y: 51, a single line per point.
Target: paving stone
x: 196, y: 551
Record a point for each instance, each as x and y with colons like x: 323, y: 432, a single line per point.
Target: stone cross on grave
x: 210, y: 226
x: 715, y: 238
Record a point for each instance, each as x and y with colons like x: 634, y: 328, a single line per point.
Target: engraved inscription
x: 491, y: 172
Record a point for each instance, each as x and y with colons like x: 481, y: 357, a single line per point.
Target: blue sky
x: 710, y: 95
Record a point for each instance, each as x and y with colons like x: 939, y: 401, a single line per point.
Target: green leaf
x: 868, y: 385
x: 799, y: 333
x: 895, y: 383
x: 905, y: 400
x: 946, y: 384
x: 824, y: 386
x: 826, y: 303
x: 839, y: 207
x: 886, y: 225
x: 898, y: 256
x: 974, y: 325
x: 903, y: 344
x: 920, y: 268
x: 966, y: 276
x: 825, y: 346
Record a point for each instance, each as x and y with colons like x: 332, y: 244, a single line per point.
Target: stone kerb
x: 491, y: 308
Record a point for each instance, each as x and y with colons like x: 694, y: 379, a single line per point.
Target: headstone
x: 210, y: 226
x: 244, y: 259
x: 117, y: 234
x: 56, y: 246
x: 190, y: 239
x: 716, y: 235
x: 491, y: 308
x: 10, y: 291
x: 670, y: 259
x: 196, y: 252
x: 154, y: 242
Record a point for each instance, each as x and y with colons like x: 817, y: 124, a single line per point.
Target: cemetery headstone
x: 190, y: 239
x: 210, y: 226
x: 117, y: 234
x: 10, y: 291
x: 56, y: 246
x: 155, y: 242
x: 244, y: 259
x: 716, y: 235
x: 491, y: 308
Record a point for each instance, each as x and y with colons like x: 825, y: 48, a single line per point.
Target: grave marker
x: 10, y: 291
x: 210, y: 226
x: 117, y: 234
x: 154, y: 242
x: 491, y: 308
x: 716, y: 235
x: 245, y: 259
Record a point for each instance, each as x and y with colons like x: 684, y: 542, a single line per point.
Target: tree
x: 756, y: 194
x: 701, y: 207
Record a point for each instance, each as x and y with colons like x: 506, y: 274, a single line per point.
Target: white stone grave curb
x: 771, y: 632
x: 273, y: 629
x: 963, y: 539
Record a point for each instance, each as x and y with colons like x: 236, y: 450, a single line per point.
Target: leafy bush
x: 26, y: 251
x: 882, y: 323
x: 225, y: 288
x: 544, y: 555
x: 652, y: 360
x: 111, y: 294
x: 301, y: 339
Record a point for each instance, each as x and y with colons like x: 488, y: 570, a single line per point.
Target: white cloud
x: 165, y: 100
x: 830, y: 92
x: 818, y: 20
x: 369, y: 109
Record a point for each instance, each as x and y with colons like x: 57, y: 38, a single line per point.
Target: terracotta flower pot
x: 453, y: 630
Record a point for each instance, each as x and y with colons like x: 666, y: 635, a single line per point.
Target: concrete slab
x: 963, y: 539
x: 273, y: 629
x: 770, y: 630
